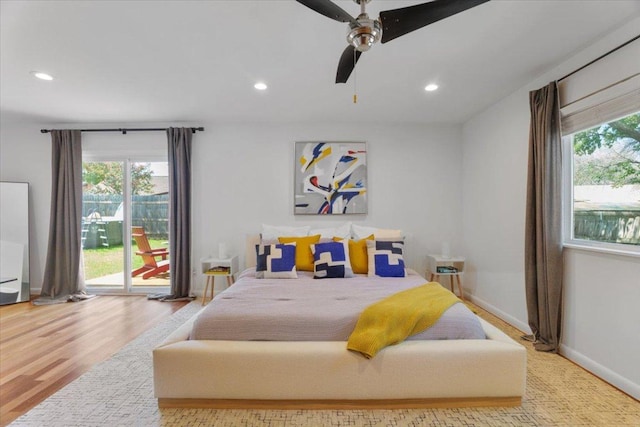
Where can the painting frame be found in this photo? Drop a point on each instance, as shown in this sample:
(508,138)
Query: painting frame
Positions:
(330,178)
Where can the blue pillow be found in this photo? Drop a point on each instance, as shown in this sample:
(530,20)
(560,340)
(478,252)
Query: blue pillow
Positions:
(386,258)
(331,260)
(276,261)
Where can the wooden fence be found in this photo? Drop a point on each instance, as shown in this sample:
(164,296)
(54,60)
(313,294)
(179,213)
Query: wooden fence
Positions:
(613,226)
(149,211)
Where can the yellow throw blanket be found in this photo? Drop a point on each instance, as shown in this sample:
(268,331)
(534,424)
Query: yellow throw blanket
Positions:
(393,319)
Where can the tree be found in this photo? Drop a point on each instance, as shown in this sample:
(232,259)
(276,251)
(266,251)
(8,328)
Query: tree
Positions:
(613,151)
(106,178)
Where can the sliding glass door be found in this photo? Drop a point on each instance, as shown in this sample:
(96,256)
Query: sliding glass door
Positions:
(125,226)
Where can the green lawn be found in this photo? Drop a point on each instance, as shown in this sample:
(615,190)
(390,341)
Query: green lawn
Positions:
(100,262)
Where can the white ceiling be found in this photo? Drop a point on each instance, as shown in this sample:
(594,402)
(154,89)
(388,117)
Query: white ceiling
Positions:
(197,61)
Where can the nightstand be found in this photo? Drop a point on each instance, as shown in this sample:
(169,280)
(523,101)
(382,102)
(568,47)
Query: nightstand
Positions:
(218,267)
(437,265)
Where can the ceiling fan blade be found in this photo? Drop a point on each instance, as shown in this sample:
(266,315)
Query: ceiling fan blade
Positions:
(347,64)
(329,9)
(398,22)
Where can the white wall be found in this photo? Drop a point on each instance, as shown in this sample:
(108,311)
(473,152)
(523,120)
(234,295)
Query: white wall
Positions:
(243,177)
(601,315)
(602,320)
(494,183)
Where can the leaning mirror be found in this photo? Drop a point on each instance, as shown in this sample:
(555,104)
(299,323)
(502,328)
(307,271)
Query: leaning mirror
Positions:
(14,242)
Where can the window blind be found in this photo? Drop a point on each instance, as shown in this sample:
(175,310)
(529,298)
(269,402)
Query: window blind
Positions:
(602,112)
(603,91)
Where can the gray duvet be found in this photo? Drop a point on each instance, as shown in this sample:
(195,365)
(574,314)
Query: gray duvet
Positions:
(307,309)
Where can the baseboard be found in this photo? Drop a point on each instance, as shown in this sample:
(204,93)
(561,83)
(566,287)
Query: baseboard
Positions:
(603,372)
(516,323)
(616,380)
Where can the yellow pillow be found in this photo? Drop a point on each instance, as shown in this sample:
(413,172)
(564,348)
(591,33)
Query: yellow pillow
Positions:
(358,254)
(304,256)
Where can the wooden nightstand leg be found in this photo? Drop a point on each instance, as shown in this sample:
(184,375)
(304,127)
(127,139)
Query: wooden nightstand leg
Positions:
(210,282)
(229,280)
(206,288)
(431,278)
(451,284)
(460,287)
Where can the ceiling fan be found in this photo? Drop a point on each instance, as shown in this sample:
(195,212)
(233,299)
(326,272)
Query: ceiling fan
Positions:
(364,32)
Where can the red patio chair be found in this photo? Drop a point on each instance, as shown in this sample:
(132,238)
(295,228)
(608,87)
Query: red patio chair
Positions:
(152,267)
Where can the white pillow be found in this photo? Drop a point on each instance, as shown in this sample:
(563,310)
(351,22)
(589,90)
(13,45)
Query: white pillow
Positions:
(272,232)
(343,231)
(386,233)
(360,232)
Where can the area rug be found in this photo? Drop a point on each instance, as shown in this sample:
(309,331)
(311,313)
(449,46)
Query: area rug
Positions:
(119,392)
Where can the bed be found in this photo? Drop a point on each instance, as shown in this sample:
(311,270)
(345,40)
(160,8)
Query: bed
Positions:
(200,365)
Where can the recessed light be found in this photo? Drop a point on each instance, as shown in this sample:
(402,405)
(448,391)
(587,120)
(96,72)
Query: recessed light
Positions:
(42,76)
(260,86)
(431,87)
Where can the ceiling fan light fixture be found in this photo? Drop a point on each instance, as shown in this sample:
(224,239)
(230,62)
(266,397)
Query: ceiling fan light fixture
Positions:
(365,34)
(260,86)
(431,87)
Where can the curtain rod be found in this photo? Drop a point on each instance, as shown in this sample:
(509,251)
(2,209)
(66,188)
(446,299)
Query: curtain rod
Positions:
(599,58)
(125,130)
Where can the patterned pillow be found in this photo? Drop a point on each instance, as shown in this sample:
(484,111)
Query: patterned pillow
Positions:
(331,260)
(385,258)
(276,261)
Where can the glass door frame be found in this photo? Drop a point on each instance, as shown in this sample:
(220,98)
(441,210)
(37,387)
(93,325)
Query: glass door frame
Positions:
(127,287)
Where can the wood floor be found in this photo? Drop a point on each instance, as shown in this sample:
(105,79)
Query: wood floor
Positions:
(43,348)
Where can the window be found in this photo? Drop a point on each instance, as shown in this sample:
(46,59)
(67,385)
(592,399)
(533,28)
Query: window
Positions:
(603,185)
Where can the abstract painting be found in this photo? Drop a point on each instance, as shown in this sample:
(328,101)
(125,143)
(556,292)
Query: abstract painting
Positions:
(330,178)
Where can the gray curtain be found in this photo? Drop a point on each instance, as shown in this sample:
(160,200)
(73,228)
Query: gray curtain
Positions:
(543,229)
(63,274)
(179,140)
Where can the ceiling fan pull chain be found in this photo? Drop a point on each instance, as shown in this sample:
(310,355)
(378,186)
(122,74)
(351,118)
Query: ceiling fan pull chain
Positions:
(355,74)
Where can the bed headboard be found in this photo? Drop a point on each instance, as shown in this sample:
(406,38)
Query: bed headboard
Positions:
(250,249)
